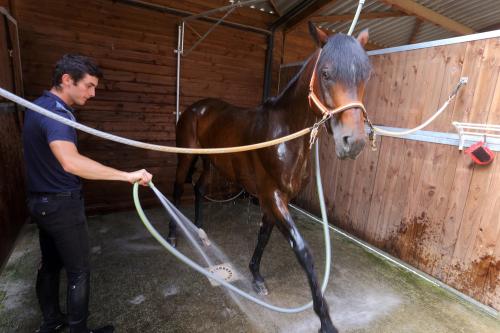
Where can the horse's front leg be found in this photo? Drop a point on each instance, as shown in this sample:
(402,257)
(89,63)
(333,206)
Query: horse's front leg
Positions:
(303,253)
(264,233)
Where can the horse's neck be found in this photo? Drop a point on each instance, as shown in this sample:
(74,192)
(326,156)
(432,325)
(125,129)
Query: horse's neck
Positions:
(294,99)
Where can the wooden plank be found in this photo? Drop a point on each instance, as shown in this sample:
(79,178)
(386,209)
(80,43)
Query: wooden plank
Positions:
(384,179)
(391,219)
(419,221)
(12,197)
(416,30)
(413,8)
(478,235)
(441,159)
(491,231)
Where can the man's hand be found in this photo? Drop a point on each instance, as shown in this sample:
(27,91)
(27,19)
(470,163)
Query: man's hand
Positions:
(141,176)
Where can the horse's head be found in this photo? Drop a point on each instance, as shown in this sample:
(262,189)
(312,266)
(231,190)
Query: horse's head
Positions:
(341,73)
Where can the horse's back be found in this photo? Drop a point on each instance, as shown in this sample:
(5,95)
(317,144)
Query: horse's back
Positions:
(213,122)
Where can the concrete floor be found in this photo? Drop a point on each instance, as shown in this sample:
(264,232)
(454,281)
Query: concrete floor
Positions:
(139,287)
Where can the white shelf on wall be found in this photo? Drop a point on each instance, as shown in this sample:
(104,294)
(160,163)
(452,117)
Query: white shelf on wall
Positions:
(471,132)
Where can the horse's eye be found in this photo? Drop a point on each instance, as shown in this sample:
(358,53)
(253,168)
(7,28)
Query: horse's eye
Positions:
(325,75)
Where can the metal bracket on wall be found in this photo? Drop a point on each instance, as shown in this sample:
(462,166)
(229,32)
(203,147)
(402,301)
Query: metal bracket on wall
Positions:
(444,138)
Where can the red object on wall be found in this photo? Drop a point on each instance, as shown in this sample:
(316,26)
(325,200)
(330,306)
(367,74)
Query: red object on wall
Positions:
(480,154)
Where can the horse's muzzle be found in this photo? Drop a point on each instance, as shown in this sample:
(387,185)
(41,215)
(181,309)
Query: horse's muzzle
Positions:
(350,147)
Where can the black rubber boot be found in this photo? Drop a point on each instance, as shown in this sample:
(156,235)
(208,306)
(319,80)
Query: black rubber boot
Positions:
(78,304)
(47,291)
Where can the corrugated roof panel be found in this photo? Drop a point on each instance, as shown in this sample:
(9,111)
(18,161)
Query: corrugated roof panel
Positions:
(395,31)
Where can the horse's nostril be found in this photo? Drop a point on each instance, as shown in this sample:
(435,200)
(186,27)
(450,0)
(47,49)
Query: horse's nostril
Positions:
(346,141)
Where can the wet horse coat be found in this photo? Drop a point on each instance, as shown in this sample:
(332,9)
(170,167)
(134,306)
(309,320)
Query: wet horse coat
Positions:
(276,174)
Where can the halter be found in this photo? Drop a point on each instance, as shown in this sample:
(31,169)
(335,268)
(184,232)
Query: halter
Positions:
(327,113)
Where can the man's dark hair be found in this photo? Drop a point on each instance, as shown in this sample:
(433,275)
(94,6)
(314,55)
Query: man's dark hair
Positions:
(76,66)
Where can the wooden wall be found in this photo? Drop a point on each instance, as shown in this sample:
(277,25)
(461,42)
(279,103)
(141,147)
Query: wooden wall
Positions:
(12,210)
(425,203)
(136,98)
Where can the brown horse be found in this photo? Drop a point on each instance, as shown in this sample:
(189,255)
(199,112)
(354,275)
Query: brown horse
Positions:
(276,174)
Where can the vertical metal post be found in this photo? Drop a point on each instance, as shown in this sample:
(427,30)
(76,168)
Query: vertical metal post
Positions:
(179,51)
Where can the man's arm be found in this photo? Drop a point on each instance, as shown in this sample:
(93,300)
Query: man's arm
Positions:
(73,162)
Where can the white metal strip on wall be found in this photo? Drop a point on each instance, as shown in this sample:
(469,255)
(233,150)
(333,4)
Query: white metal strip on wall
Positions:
(444,138)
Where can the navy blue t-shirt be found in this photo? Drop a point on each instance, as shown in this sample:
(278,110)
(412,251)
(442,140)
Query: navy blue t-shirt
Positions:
(44,172)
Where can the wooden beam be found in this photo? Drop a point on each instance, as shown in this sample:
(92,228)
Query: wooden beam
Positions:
(350,17)
(416,29)
(312,10)
(412,8)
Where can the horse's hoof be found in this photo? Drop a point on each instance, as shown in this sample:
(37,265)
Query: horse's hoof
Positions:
(260,288)
(172,241)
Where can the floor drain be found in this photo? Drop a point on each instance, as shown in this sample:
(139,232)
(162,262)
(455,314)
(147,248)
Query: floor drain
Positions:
(225,272)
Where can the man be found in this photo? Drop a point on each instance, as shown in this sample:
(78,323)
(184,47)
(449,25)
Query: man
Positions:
(54,168)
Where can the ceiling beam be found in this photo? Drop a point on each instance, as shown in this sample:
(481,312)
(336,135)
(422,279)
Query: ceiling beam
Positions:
(412,8)
(363,16)
(416,30)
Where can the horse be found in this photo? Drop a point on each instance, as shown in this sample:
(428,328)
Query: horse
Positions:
(338,70)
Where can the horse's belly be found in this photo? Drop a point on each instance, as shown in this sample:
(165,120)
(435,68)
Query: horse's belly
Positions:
(236,168)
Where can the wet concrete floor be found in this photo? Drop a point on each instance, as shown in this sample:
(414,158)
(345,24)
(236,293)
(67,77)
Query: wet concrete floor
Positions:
(140,287)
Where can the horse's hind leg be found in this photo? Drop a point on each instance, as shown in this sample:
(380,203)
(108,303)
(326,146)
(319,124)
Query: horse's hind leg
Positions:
(199,191)
(184,169)
(287,227)
(264,233)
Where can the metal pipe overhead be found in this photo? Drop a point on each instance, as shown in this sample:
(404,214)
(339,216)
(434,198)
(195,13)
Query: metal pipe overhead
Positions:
(179,12)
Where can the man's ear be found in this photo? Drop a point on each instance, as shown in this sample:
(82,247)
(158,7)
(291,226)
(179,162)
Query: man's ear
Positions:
(66,79)
(320,37)
(363,37)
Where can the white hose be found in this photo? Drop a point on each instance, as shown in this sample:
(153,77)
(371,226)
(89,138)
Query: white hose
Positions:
(463,81)
(356,17)
(166,149)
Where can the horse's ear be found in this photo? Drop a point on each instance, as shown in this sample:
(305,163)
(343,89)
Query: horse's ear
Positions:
(363,37)
(319,36)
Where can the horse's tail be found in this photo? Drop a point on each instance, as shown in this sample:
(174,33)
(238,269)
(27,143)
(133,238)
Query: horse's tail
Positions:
(186,137)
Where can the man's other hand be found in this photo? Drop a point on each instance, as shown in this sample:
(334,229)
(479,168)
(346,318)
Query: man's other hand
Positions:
(141,176)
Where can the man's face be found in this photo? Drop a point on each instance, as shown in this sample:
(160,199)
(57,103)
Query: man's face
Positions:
(80,92)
